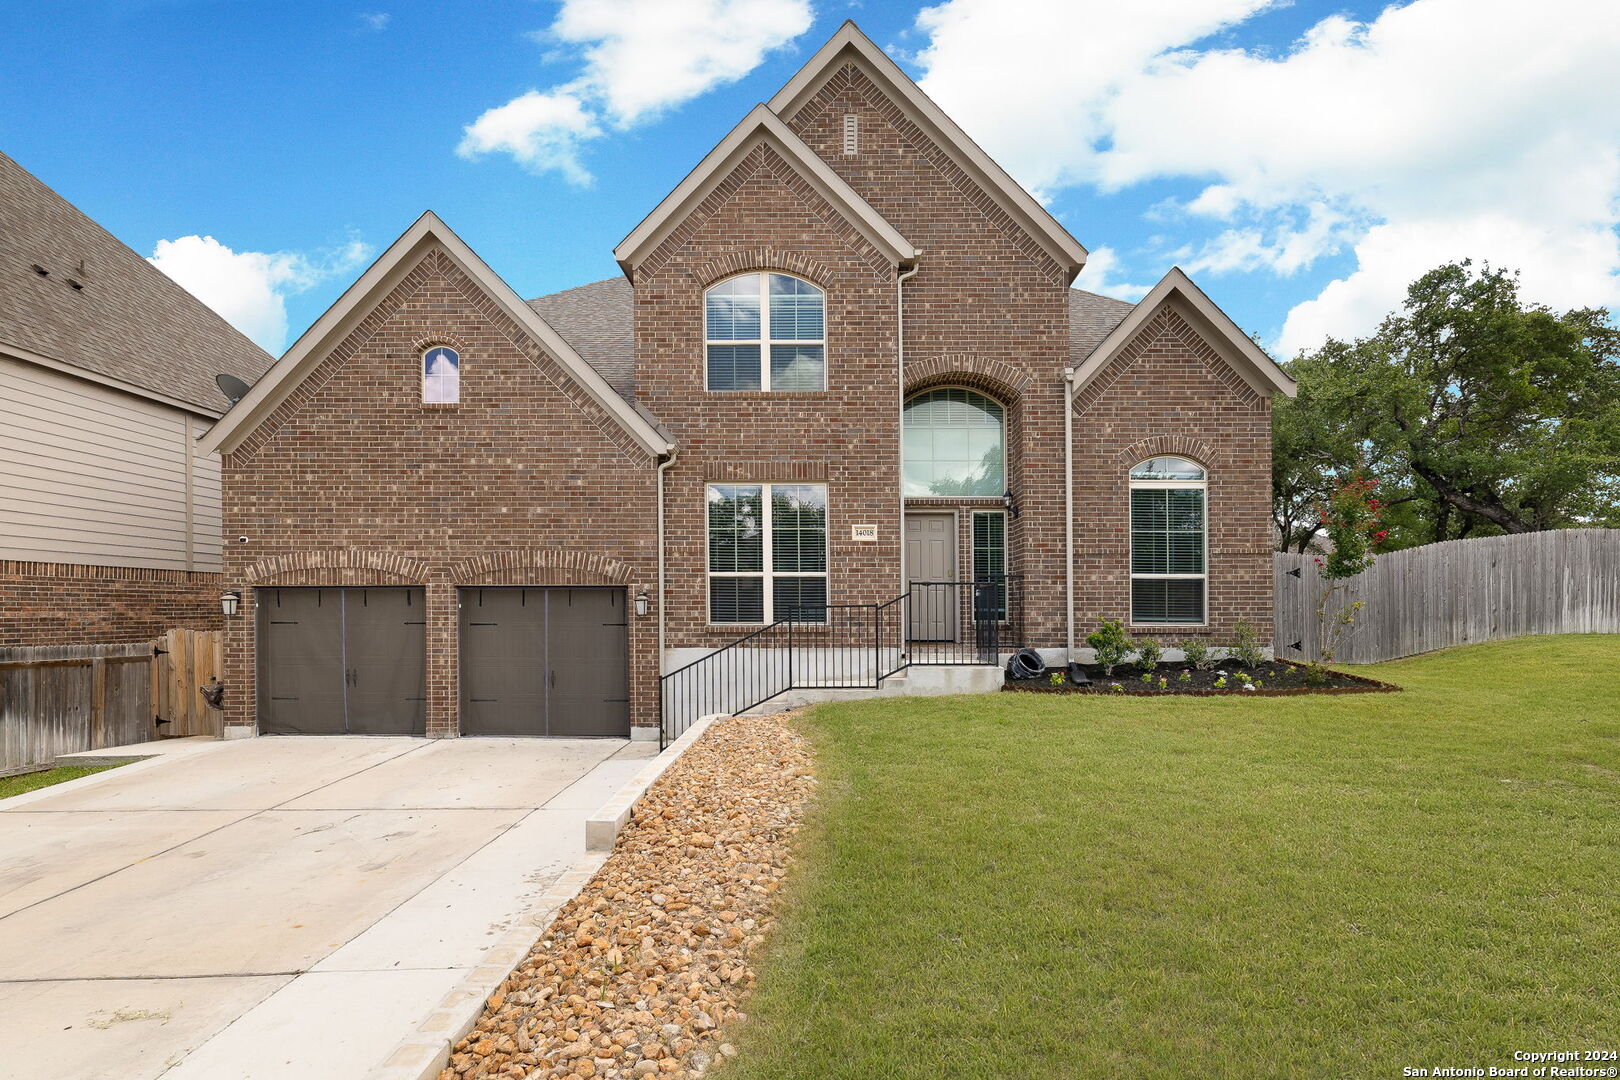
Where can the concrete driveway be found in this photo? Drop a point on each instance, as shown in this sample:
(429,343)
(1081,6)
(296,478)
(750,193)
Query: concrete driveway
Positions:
(274,907)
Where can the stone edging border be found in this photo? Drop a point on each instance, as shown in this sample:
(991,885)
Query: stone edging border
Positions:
(426,1052)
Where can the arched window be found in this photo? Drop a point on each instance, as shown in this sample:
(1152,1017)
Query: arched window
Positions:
(1168,541)
(441,375)
(765,332)
(955,444)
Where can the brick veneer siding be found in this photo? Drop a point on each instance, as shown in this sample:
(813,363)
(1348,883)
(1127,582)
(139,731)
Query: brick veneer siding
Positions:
(66,604)
(988,308)
(764,216)
(1168,392)
(353,481)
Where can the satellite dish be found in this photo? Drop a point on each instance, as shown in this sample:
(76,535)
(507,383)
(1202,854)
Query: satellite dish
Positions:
(233,388)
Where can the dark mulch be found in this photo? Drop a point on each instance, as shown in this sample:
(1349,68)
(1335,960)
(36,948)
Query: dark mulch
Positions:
(1271,677)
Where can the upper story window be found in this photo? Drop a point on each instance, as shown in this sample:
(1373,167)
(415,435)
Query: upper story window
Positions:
(955,444)
(441,376)
(765,332)
(1169,578)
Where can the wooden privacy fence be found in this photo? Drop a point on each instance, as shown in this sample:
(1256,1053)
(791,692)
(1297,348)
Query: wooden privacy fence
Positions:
(1566,581)
(61,699)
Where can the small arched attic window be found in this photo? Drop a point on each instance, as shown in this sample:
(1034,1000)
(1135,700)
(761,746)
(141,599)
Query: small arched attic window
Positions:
(441,375)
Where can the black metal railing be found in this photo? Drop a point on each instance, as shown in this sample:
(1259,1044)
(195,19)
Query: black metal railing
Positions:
(847,646)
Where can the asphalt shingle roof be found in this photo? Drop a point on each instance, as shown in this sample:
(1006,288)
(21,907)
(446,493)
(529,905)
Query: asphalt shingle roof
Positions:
(598,320)
(130,321)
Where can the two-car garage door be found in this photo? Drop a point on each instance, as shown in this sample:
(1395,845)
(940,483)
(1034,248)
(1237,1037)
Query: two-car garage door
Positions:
(534,661)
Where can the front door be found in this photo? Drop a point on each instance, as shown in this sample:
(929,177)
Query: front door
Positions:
(931,576)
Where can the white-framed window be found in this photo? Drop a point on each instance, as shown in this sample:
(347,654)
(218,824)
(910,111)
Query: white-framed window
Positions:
(990,565)
(441,375)
(1169,542)
(955,443)
(767,553)
(765,332)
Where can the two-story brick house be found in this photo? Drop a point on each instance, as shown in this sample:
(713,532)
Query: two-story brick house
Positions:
(844,360)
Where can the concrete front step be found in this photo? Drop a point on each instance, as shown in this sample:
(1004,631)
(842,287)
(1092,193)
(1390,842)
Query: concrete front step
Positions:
(919,681)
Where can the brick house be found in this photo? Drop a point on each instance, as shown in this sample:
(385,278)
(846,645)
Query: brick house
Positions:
(843,391)
(109,515)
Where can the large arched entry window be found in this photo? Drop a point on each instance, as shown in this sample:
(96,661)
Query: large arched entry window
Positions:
(955,444)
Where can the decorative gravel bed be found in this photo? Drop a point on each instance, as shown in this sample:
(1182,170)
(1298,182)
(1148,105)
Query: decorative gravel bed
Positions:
(639,973)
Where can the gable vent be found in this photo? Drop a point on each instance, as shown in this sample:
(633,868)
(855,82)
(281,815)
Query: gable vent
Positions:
(852,133)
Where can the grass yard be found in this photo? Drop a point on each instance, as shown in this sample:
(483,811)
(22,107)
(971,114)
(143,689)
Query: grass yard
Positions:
(16,785)
(1305,887)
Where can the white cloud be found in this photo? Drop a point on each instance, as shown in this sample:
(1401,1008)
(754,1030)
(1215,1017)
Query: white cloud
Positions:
(249,288)
(375,20)
(640,58)
(1441,129)
(1102,263)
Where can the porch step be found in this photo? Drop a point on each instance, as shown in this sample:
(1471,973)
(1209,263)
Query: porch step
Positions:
(915,682)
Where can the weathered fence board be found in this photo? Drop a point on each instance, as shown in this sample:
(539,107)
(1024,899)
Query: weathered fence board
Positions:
(1566,581)
(61,699)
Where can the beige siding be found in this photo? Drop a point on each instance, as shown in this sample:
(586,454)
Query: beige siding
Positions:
(89,474)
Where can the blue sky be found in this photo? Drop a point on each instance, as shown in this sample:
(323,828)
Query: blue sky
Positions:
(1302,160)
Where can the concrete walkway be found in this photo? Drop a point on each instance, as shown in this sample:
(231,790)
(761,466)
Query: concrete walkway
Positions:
(274,908)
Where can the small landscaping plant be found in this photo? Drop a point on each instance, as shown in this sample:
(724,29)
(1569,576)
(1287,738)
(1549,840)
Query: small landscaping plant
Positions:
(1148,655)
(1245,648)
(1111,645)
(1056,678)
(1351,520)
(1199,654)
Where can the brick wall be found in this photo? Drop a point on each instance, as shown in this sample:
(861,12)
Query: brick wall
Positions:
(353,481)
(65,604)
(1167,392)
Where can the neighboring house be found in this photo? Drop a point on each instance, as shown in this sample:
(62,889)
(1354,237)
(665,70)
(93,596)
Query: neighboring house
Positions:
(837,366)
(109,515)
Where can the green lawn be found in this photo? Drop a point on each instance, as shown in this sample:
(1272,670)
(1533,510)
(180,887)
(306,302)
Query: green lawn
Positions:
(16,785)
(1304,887)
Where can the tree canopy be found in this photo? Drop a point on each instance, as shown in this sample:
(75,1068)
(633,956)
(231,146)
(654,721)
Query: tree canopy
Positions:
(1478,414)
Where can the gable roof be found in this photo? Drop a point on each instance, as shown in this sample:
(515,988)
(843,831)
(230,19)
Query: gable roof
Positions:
(380,278)
(1092,317)
(130,325)
(599,321)
(1228,339)
(761,125)
(849,43)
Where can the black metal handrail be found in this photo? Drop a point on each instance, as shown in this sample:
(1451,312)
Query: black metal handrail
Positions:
(846,646)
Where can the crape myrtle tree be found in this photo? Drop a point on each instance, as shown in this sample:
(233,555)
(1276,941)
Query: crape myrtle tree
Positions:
(1477,414)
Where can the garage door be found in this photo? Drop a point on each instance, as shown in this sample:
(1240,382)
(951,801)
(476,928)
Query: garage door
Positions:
(342,661)
(552,661)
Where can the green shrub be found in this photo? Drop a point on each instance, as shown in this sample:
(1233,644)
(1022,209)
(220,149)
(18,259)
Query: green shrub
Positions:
(1246,646)
(1110,644)
(1148,654)
(1199,654)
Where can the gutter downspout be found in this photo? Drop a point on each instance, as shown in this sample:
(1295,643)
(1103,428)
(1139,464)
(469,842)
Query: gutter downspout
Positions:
(900,413)
(1068,511)
(666,463)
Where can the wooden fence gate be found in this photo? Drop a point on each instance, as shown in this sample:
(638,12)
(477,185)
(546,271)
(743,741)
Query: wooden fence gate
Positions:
(61,699)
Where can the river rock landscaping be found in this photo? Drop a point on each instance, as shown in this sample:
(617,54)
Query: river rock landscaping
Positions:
(1226,677)
(640,973)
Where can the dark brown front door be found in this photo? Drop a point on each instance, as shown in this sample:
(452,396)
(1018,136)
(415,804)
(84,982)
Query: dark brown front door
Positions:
(342,661)
(544,661)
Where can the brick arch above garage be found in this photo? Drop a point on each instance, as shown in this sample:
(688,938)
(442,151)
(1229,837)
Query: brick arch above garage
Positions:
(337,566)
(541,566)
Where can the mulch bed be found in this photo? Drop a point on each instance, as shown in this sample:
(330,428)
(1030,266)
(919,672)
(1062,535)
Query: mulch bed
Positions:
(1272,678)
(639,973)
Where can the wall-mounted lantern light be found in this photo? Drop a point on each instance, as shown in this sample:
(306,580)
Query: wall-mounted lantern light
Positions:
(643,603)
(1009,502)
(229,603)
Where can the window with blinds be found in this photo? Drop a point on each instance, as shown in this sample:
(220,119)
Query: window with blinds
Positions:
(954,444)
(767,553)
(1169,579)
(765,332)
(990,565)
